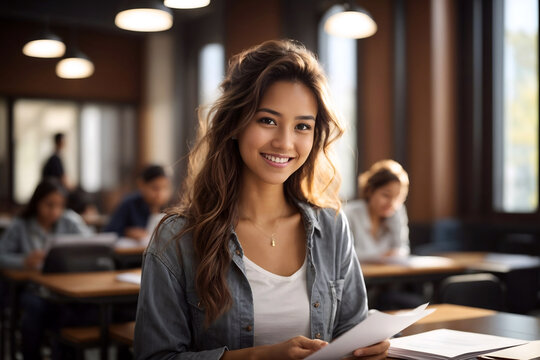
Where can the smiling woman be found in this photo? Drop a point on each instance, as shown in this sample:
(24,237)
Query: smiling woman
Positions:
(257,260)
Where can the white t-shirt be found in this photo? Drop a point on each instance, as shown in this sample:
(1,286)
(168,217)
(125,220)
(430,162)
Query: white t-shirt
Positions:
(281,304)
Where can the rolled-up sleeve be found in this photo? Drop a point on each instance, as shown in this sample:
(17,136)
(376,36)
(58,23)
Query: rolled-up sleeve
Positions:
(353,307)
(163,328)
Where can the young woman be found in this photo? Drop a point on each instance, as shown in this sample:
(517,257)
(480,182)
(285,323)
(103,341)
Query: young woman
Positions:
(379,220)
(21,246)
(256,262)
(135,213)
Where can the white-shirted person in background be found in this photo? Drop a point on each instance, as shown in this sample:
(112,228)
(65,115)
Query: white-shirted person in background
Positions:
(378,220)
(257,261)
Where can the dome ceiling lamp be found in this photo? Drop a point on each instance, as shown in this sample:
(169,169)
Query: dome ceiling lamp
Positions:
(186,4)
(74,65)
(145,16)
(350,21)
(44,44)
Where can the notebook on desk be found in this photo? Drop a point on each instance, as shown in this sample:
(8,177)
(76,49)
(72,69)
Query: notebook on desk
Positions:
(445,344)
(530,351)
(79,253)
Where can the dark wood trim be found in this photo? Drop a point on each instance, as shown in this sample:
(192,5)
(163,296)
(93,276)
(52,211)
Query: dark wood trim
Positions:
(400,84)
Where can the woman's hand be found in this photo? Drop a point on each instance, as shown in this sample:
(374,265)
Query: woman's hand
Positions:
(374,352)
(298,347)
(34,260)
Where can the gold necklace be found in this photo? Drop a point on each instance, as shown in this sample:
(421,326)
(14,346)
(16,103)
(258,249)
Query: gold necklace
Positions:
(272,235)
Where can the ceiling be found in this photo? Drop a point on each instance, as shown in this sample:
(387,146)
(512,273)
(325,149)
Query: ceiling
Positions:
(90,14)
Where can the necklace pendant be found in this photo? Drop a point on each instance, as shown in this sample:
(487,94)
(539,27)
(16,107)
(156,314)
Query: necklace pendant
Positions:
(273,241)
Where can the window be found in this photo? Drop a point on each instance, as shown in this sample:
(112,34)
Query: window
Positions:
(339,59)
(35,123)
(100,147)
(211,73)
(516,106)
(108,138)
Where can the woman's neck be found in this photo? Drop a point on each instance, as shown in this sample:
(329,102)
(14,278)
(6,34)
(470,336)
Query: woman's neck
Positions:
(262,203)
(45,225)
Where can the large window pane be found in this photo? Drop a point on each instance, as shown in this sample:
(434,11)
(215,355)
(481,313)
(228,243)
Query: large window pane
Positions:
(211,73)
(516,168)
(35,123)
(339,59)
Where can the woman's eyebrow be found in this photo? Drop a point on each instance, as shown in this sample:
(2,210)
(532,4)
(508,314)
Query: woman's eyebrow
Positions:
(276,113)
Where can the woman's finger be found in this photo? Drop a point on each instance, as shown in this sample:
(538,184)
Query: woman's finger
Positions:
(376,349)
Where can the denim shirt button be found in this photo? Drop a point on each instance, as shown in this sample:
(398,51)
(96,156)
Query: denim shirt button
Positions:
(249,328)
(318,335)
(238,252)
(317,304)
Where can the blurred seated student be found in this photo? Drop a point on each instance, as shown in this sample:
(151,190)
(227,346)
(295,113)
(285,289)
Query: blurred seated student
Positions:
(378,220)
(137,210)
(22,244)
(21,247)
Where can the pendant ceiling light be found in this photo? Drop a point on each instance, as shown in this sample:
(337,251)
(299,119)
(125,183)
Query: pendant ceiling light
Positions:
(74,65)
(186,4)
(350,21)
(44,44)
(145,15)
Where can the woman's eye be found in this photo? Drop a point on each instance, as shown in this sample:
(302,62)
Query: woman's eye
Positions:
(303,127)
(267,121)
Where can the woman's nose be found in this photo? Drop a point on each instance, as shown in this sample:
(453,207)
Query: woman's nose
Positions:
(283,139)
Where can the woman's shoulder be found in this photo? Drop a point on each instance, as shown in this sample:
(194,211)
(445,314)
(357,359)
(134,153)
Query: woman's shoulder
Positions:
(326,219)
(168,242)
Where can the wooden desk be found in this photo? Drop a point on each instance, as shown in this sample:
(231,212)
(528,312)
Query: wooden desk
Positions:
(415,269)
(95,287)
(90,285)
(477,320)
(473,320)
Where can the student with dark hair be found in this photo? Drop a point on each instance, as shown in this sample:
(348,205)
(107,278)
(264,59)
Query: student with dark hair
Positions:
(54,167)
(378,219)
(257,261)
(21,247)
(133,215)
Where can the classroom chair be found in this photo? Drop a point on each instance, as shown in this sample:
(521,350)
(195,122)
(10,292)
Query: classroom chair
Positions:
(476,290)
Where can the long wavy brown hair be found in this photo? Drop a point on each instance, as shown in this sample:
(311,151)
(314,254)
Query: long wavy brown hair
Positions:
(211,189)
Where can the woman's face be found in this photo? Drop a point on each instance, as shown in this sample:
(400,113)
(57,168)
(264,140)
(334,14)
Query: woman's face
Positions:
(386,199)
(279,138)
(50,208)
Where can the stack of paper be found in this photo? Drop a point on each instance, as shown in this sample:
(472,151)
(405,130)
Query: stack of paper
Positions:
(530,351)
(375,328)
(447,344)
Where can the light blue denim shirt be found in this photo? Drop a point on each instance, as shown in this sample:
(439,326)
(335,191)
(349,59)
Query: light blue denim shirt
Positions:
(170,322)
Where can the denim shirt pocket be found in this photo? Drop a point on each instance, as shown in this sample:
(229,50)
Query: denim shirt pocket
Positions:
(336,290)
(196,311)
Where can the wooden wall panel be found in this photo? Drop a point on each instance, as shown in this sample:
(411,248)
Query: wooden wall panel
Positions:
(375,80)
(249,23)
(116,57)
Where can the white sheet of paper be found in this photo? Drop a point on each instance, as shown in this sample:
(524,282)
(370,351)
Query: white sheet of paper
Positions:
(375,328)
(133,278)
